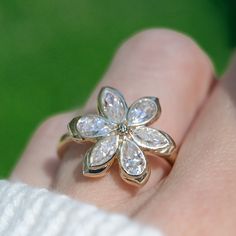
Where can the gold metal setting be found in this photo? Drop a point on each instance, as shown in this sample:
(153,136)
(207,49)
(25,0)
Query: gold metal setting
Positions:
(120,133)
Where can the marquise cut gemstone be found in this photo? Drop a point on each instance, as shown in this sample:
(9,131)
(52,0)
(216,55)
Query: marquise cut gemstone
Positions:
(132,158)
(149,138)
(112,105)
(142,111)
(92,126)
(104,150)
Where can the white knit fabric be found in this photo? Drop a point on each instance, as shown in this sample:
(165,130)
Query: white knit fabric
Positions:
(27,211)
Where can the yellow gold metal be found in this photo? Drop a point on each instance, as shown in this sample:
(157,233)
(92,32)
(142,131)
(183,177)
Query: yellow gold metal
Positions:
(121,134)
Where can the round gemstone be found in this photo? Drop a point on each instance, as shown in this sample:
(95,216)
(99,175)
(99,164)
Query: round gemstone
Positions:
(122,128)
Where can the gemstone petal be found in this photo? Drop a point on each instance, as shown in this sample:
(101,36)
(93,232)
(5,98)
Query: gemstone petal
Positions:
(93,126)
(104,150)
(112,105)
(132,159)
(143,111)
(153,139)
(94,172)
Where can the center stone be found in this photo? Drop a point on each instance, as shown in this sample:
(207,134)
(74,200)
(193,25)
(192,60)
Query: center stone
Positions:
(122,128)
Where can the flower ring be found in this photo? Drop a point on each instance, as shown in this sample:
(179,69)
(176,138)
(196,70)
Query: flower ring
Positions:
(120,133)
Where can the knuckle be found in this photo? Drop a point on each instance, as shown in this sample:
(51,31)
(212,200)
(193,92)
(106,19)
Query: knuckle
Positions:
(52,123)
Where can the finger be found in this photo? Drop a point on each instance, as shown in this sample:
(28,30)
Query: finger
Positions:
(203,180)
(161,63)
(38,163)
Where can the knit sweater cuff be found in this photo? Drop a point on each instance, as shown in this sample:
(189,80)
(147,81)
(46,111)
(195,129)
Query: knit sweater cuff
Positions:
(30,211)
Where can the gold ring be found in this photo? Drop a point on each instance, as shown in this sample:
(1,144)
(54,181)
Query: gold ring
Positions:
(120,133)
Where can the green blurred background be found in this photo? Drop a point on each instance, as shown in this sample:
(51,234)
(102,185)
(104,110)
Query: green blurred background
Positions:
(45,44)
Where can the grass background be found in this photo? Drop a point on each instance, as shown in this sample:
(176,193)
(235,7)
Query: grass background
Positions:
(44,44)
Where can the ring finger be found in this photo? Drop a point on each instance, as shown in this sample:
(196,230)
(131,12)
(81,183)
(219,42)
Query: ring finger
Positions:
(158,63)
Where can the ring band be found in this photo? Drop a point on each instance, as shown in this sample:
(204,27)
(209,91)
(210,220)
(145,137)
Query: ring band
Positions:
(120,134)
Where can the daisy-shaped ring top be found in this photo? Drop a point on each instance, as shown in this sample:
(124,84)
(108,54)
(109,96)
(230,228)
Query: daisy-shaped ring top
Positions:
(121,133)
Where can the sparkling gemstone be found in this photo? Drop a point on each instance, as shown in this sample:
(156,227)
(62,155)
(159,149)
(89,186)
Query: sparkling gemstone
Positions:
(149,138)
(92,126)
(142,111)
(112,105)
(122,128)
(104,150)
(132,158)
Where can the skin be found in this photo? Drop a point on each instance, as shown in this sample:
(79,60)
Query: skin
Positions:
(198,195)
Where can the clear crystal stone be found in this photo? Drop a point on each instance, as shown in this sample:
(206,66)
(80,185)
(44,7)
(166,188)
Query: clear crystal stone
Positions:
(149,138)
(122,128)
(92,126)
(132,158)
(142,111)
(112,105)
(104,150)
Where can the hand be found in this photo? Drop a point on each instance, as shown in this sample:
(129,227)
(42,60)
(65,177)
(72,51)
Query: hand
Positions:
(196,197)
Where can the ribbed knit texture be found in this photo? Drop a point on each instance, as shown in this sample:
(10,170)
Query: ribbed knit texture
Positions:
(27,211)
